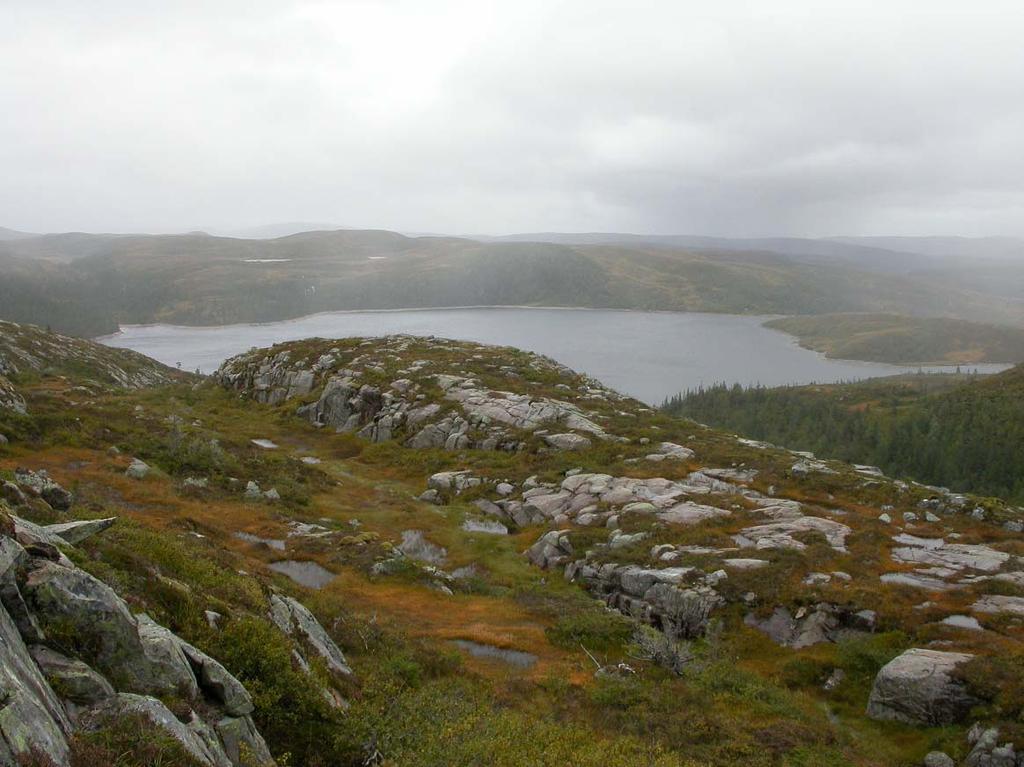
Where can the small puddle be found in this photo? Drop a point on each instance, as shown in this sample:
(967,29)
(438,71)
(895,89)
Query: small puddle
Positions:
(515,658)
(273,543)
(308,574)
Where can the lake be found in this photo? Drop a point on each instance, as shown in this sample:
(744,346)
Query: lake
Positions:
(649,355)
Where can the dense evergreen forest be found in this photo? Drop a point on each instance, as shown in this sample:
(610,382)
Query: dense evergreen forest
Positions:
(961,431)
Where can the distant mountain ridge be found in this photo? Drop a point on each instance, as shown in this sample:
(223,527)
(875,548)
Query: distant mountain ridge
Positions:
(90,283)
(12,234)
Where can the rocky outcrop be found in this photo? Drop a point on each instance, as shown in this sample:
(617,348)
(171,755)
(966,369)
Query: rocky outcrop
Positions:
(30,349)
(552,550)
(32,718)
(294,619)
(353,399)
(810,626)
(205,751)
(136,656)
(783,534)
(120,661)
(918,687)
(39,484)
(10,399)
(77,682)
(676,600)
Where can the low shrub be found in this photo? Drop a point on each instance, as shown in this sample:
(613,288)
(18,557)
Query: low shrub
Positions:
(594,629)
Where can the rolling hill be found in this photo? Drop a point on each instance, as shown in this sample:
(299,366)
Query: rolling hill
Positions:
(91,283)
(907,340)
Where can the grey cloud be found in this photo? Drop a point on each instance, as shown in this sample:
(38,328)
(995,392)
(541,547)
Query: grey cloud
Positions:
(736,118)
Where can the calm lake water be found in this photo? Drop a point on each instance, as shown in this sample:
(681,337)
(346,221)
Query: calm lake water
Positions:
(650,355)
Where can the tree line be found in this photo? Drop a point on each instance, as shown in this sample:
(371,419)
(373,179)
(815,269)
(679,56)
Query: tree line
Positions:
(969,438)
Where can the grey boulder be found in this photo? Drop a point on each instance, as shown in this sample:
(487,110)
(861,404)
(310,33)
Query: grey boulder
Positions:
(76,681)
(918,687)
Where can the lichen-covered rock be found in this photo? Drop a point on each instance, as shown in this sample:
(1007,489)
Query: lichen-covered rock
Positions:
(217,683)
(677,600)
(782,533)
(567,441)
(139,658)
(168,670)
(918,687)
(243,744)
(551,550)
(12,557)
(986,750)
(39,484)
(76,681)
(128,704)
(293,618)
(810,625)
(31,716)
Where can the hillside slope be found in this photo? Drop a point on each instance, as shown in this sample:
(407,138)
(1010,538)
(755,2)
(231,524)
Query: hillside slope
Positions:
(448,512)
(959,431)
(89,283)
(905,340)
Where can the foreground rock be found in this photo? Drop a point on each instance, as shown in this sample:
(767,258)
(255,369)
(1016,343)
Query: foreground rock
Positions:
(123,664)
(918,688)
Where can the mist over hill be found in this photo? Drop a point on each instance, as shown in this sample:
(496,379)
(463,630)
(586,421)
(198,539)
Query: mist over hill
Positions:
(88,284)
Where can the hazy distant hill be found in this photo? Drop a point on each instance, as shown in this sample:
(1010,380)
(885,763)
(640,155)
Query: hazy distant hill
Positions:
(861,254)
(908,340)
(953,247)
(80,282)
(11,234)
(270,231)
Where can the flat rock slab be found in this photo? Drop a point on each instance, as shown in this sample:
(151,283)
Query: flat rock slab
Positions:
(76,532)
(917,581)
(999,604)
(740,563)
(957,556)
(780,534)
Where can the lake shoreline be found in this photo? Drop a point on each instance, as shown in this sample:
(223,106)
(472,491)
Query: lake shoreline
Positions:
(478,307)
(648,355)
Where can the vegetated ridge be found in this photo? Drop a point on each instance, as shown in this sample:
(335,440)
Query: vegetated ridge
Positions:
(418,551)
(90,284)
(961,431)
(900,339)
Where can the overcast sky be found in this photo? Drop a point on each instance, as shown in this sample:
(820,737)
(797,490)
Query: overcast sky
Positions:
(730,118)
